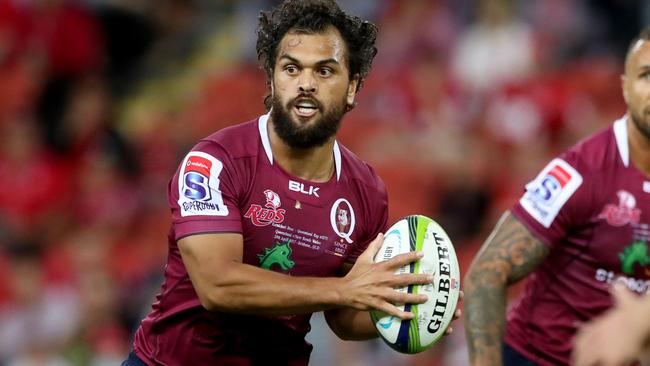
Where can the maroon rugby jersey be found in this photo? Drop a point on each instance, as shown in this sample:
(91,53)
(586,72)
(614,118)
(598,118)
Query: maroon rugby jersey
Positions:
(229,183)
(591,206)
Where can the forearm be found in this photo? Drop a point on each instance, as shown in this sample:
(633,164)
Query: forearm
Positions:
(351,325)
(485,304)
(243,288)
(223,283)
(508,255)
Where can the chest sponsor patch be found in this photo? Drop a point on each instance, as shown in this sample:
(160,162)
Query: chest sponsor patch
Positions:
(550,190)
(198,186)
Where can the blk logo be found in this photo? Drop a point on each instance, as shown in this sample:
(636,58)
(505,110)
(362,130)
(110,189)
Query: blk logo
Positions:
(299,187)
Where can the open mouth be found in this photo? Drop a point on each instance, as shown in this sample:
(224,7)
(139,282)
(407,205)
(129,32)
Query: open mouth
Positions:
(306,107)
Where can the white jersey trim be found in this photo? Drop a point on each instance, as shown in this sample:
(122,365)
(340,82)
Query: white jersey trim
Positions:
(264,134)
(337,160)
(262,124)
(620,132)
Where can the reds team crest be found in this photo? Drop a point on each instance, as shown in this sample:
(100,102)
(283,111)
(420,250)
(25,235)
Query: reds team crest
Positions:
(270,213)
(624,213)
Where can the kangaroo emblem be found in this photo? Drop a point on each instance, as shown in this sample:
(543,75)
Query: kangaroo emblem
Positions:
(635,253)
(278,254)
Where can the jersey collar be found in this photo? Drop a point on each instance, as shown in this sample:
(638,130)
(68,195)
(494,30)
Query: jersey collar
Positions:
(620,132)
(262,124)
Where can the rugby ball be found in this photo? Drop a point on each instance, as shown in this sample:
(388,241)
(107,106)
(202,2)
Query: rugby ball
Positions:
(432,318)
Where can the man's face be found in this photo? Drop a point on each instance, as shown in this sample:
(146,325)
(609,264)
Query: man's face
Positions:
(636,86)
(311,88)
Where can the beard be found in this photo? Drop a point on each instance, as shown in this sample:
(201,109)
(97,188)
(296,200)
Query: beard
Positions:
(303,137)
(641,123)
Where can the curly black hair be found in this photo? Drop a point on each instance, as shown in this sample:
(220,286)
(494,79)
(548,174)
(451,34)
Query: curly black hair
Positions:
(312,17)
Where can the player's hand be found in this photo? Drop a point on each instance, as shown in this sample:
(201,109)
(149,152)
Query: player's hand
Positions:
(457,314)
(617,337)
(371,285)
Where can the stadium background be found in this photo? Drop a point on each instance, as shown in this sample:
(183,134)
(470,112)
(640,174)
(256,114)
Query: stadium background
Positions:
(99,99)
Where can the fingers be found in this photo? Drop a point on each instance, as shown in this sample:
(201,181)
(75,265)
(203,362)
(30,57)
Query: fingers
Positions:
(392,310)
(397,297)
(373,248)
(579,356)
(406,279)
(621,295)
(403,259)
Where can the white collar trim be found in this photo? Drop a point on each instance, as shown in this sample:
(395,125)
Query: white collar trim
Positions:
(262,124)
(620,132)
(264,134)
(337,160)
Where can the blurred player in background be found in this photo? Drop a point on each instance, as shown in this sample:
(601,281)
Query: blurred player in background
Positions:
(271,218)
(581,226)
(619,336)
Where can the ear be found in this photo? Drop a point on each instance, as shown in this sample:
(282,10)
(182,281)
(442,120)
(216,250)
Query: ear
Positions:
(352,90)
(624,81)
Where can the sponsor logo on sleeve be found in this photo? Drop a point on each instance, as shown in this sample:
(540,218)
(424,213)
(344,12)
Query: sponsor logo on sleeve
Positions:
(199,192)
(550,190)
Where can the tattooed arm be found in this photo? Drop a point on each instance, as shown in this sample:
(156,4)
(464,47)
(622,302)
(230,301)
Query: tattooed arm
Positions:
(509,254)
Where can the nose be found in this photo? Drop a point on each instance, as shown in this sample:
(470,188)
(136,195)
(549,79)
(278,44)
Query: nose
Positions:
(307,83)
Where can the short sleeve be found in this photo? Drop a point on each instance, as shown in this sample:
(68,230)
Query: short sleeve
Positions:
(551,204)
(203,193)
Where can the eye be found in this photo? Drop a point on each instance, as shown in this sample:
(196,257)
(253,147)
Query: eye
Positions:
(325,72)
(291,69)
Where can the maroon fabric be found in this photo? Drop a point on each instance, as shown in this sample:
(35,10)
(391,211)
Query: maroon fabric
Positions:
(598,238)
(261,201)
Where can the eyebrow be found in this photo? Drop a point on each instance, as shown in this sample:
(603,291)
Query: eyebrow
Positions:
(319,63)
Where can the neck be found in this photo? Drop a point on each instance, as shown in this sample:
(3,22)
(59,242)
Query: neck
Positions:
(639,148)
(315,164)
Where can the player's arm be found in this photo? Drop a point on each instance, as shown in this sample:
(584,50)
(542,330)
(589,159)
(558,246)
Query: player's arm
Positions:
(224,283)
(350,324)
(510,253)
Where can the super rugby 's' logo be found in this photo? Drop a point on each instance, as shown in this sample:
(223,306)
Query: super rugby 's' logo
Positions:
(552,184)
(196,178)
(624,213)
(342,219)
(199,191)
(270,213)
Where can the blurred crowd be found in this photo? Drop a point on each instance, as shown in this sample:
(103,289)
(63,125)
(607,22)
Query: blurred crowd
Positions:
(100,99)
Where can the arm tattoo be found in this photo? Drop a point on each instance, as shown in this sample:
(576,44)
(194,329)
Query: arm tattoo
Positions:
(508,255)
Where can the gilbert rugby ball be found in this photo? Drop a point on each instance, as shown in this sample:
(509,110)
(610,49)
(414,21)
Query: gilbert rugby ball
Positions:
(432,318)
